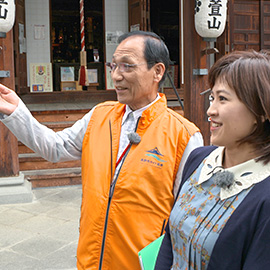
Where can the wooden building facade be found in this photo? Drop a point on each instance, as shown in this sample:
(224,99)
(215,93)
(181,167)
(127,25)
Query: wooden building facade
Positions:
(248,27)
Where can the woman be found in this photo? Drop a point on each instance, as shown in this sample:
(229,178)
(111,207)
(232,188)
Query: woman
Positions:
(221,218)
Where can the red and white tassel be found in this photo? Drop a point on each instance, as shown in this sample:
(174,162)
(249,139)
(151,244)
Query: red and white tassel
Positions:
(83,76)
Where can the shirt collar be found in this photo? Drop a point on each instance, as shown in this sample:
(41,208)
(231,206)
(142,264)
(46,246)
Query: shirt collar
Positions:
(245,174)
(138,112)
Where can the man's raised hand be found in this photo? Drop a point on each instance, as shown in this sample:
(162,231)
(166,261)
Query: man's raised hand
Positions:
(8,100)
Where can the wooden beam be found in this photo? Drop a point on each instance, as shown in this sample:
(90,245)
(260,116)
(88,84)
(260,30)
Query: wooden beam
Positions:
(9,163)
(194,60)
(69,96)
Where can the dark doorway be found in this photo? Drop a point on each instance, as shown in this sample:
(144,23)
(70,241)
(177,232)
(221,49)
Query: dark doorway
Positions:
(66,30)
(66,39)
(164,17)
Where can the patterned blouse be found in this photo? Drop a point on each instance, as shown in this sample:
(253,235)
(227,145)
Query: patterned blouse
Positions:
(202,209)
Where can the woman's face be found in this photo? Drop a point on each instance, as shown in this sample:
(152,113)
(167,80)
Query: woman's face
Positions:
(230,118)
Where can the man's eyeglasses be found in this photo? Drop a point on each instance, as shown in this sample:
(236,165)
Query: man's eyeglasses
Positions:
(123,67)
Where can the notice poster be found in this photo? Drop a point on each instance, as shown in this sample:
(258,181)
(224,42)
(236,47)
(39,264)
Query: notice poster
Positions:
(109,81)
(41,77)
(67,74)
(92,75)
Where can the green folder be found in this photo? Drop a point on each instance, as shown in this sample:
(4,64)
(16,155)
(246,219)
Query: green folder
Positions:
(148,255)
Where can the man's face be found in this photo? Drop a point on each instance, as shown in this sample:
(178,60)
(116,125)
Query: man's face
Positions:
(136,86)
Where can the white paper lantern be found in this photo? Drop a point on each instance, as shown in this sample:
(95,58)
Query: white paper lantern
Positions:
(210,17)
(7,15)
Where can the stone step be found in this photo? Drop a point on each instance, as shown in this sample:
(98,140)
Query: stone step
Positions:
(54,177)
(59,116)
(32,161)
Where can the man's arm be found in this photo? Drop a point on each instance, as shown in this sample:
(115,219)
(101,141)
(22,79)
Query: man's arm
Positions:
(53,146)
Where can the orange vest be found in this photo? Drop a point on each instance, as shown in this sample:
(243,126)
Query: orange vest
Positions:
(113,229)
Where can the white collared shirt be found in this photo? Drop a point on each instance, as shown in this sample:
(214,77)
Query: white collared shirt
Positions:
(125,126)
(245,174)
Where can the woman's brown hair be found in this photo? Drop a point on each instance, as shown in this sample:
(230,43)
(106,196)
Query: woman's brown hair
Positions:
(248,73)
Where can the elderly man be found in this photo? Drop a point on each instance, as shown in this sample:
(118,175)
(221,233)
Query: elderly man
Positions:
(132,154)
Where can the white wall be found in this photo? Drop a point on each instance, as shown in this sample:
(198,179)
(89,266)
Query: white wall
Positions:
(37,18)
(116,23)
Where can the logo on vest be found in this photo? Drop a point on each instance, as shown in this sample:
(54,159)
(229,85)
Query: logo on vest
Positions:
(154,158)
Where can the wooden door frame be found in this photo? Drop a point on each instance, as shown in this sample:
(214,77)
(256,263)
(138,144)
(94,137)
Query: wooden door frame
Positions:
(9,161)
(195,103)
(20,57)
(144,13)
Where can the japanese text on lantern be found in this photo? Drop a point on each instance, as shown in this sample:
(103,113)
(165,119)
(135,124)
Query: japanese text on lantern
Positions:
(215,6)
(3,11)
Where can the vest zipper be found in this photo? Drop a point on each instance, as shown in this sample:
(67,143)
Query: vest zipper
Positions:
(112,186)
(107,212)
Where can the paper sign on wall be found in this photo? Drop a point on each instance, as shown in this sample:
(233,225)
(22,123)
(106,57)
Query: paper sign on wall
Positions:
(41,77)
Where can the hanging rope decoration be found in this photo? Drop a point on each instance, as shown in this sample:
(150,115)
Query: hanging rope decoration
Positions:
(83,76)
(82,25)
(210,18)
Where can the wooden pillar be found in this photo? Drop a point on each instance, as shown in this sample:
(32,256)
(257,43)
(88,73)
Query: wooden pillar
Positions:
(9,162)
(194,62)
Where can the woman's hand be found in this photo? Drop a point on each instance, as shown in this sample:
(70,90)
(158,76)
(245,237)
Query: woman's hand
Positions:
(8,100)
